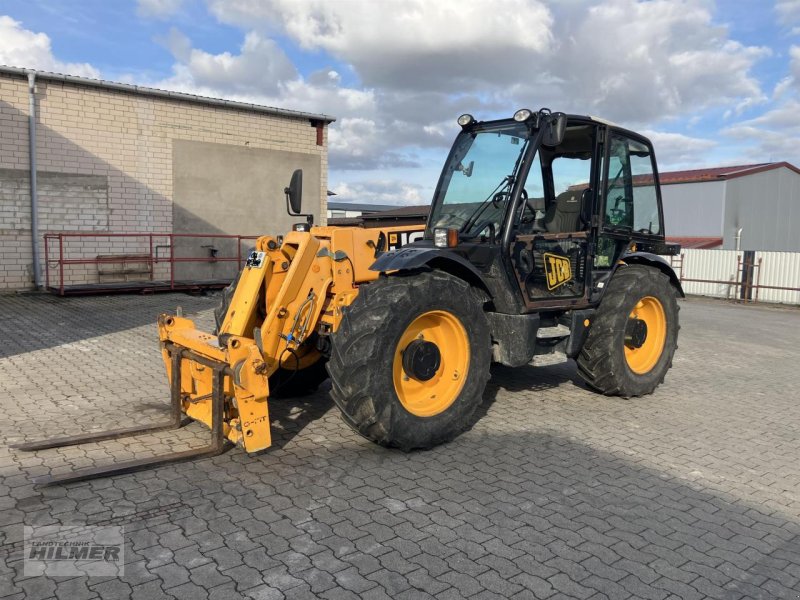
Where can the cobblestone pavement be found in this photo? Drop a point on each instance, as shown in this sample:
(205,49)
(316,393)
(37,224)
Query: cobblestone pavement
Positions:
(555,492)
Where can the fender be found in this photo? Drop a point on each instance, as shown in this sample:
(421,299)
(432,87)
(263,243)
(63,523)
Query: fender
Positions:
(415,257)
(654,260)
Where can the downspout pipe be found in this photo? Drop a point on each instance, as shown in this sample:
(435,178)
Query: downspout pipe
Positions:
(37,271)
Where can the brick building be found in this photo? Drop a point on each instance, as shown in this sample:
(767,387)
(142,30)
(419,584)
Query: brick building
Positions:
(117,158)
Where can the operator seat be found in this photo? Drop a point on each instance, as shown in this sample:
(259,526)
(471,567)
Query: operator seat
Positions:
(563,214)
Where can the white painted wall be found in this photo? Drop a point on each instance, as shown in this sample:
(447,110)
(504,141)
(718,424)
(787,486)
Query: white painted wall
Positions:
(776,269)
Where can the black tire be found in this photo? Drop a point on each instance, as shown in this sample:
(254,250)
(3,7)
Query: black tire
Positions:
(602,363)
(363,351)
(283,383)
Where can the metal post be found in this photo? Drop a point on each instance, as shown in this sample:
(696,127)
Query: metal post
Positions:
(758,276)
(61,263)
(46,265)
(37,271)
(171,261)
(150,262)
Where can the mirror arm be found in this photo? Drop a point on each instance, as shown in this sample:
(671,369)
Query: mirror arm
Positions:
(309,217)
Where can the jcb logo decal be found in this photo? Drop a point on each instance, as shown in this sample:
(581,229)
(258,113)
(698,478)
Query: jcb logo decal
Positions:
(401,238)
(557,269)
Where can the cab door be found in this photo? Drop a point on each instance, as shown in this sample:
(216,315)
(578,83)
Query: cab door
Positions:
(551,245)
(631,202)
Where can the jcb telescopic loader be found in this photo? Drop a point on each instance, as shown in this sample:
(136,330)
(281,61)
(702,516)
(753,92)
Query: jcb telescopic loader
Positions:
(542,245)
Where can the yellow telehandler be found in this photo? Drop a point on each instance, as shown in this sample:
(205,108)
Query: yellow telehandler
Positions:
(542,245)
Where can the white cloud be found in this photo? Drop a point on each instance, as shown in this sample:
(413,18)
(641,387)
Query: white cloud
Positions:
(640,62)
(773,135)
(623,59)
(675,150)
(786,85)
(259,68)
(370,128)
(20,47)
(160,9)
(419,64)
(381,192)
(794,65)
(409,44)
(788,12)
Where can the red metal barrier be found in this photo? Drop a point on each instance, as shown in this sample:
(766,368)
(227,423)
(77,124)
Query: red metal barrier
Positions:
(54,243)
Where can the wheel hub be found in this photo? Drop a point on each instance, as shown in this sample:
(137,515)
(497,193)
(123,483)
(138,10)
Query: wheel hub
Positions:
(635,333)
(421,360)
(645,335)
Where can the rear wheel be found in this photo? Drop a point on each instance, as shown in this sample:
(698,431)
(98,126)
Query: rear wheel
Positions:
(410,360)
(634,334)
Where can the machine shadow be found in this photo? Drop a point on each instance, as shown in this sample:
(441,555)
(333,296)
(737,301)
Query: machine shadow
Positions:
(551,501)
(291,415)
(527,378)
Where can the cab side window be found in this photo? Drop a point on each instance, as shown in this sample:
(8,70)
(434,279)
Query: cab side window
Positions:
(646,218)
(619,196)
(630,198)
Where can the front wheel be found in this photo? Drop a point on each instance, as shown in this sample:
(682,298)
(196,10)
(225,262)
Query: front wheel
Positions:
(634,334)
(410,360)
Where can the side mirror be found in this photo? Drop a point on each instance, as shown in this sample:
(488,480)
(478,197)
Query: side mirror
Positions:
(294,201)
(294,193)
(555,126)
(467,171)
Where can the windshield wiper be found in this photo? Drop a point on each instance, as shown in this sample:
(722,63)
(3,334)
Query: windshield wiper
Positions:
(507,181)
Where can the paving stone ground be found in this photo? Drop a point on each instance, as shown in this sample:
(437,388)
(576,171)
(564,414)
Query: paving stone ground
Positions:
(556,492)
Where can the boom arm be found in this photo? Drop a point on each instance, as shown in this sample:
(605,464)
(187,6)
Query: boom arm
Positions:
(285,294)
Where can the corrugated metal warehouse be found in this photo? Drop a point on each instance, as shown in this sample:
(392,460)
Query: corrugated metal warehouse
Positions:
(746,207)
(116,158)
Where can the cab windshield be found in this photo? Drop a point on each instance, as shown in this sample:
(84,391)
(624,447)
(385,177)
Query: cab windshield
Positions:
(477,180)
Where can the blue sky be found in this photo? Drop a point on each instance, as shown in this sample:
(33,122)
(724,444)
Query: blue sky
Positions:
(712,83)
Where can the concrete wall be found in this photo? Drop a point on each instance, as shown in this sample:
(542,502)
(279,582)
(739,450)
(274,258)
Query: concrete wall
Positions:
(126,140)
(694,209)
(234,190)
(767,207)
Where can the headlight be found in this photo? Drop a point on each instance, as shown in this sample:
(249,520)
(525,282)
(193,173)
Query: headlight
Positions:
(523,114)
(445,238)
(466,120)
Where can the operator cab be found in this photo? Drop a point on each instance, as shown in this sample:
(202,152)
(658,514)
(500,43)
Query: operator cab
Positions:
(559,198)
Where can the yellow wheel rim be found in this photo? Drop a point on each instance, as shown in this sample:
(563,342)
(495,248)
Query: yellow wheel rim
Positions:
(641,360)
(431,397)
(306,357)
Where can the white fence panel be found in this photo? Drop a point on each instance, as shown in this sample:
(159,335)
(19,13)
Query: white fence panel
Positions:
(711,265)
(781,269)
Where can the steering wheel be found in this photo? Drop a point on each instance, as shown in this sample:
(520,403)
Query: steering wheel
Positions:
(527,206)
(617,215)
